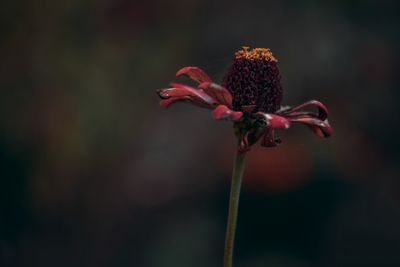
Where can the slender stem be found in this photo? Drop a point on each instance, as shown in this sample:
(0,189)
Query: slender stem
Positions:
(233,208)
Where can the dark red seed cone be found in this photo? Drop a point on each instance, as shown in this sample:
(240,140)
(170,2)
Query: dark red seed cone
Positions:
(254,79)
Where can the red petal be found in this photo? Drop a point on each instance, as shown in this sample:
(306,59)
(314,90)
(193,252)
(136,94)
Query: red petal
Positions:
(269,138)
(165,103)
(221,94)
(316,121)
(184,93)
(274,121)
(319,127)
(223,112)
(194,73)
(297,111)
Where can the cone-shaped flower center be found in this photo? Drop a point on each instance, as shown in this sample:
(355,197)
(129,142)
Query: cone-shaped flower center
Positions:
(254,79)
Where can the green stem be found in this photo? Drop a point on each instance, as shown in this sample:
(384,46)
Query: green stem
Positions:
(233,208)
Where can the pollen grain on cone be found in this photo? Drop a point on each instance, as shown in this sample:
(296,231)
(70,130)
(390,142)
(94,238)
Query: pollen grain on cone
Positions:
(255,54)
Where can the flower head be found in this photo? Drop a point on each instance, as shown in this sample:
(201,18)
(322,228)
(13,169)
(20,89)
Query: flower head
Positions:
(254,79)
(251,97)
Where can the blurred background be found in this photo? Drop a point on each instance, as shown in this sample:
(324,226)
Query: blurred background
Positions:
(95,173)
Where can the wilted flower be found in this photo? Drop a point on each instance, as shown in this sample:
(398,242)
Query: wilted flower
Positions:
(250,95)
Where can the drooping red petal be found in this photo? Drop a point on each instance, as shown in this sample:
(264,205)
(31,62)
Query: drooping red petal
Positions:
(252,135)
(221,94)
(319,127)
(322,111)
(184,93)
(273,121)
(223,112)
(195,74)
(269,138)
(316,121)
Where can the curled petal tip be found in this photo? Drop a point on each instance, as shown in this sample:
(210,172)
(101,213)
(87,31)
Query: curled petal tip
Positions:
(161,93)
(326,129)
(194,73)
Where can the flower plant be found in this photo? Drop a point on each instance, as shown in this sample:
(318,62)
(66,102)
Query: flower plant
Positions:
(250,96)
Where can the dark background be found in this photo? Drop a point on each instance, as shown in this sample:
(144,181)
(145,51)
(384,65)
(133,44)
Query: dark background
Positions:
(95,173)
